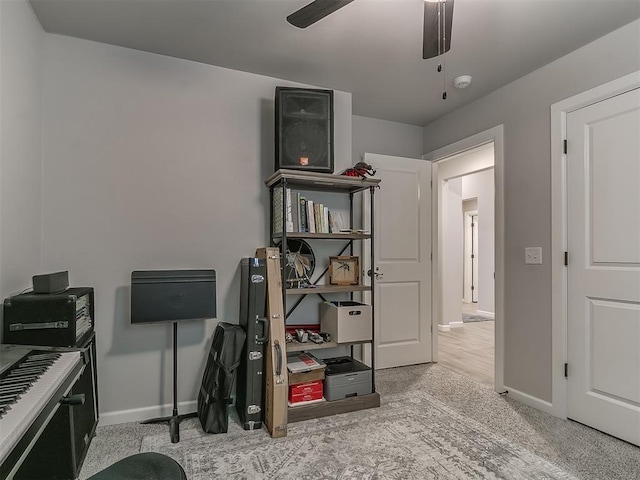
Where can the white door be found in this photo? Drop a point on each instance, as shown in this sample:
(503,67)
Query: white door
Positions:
(603,303)
(402,248)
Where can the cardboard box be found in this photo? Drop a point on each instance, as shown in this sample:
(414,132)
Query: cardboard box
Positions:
(305,388)
(304,377)
(305,392)
(346,321)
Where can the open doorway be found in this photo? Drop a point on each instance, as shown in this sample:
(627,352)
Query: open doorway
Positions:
(466,327)
(495,137)
(482,152)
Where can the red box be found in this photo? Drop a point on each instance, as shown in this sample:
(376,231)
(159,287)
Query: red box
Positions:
(303,392)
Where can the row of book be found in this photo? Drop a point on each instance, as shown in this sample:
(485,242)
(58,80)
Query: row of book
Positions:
(303,214)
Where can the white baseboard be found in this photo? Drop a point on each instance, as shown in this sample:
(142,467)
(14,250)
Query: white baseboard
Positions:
(145,413)
(456,324)
(482,313)
(444,328)
(534,402)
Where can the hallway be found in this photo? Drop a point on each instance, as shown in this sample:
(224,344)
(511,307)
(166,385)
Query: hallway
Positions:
(469,350)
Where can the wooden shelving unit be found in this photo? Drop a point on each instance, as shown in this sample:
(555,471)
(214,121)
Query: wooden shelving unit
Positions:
(325,409)
(327,236)
(296,346)
(311,181)
(328,289)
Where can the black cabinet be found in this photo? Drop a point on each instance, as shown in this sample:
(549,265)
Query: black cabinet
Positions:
(60,450)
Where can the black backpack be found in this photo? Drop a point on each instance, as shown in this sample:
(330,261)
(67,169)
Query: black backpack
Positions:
(218,378)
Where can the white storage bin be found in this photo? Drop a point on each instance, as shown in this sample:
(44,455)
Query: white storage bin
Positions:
(346,321)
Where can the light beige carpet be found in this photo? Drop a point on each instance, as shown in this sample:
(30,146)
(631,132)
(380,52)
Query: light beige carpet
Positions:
(411,436)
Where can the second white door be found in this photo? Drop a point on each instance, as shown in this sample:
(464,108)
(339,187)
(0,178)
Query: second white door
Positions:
(402,244)
(603,326)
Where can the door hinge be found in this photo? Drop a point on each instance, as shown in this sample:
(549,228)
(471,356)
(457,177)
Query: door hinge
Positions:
(566,259)
(566,370)
(431,255)
(564,146)
(473,287)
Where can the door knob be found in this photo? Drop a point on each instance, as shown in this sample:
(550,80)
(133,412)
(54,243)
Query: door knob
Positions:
(376,273)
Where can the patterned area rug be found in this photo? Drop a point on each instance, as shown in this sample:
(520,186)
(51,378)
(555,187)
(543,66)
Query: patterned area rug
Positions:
(470,317)
(411,436)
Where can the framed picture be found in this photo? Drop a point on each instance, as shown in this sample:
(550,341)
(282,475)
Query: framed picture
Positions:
(344,270)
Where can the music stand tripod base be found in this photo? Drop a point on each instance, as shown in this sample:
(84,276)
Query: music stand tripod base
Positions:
(175,419)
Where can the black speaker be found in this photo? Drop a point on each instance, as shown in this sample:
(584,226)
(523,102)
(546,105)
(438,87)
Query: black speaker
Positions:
(51,282)
(304,129)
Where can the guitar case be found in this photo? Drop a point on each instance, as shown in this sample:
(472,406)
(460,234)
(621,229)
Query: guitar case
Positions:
(219,375)
(253,305)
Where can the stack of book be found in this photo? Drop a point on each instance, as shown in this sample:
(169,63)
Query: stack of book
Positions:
(303,214)
(306,374)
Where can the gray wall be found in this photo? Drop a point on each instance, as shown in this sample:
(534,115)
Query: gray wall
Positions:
(153,162)
(480,186)
(524,108)
(21,39)
(371,135)
(452,249)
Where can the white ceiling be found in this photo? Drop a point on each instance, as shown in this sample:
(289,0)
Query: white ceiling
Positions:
(372,48)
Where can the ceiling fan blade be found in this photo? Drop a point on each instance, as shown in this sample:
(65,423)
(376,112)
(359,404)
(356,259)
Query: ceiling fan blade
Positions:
(316,10)
(430,38)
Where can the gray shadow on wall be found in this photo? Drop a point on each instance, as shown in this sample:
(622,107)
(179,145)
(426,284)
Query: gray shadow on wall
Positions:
(229,312)
(267,158)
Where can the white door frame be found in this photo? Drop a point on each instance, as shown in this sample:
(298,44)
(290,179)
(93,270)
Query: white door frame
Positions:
(495,135)
(559,290)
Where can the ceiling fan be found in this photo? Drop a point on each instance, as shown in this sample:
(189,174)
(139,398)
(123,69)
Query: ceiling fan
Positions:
(438,18)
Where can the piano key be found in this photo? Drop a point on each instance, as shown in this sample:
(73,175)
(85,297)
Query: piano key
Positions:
(35,361)
(43,356)
(19,381)
(14,389)
(26,370)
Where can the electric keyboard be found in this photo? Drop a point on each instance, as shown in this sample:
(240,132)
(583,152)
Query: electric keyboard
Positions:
(32,384)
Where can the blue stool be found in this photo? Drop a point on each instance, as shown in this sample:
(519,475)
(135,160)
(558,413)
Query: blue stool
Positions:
(143,466)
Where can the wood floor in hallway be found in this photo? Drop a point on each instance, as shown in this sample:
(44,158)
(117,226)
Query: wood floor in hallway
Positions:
(469,351)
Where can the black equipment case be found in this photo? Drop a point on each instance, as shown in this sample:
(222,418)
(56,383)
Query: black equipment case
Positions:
(253,303)
(49,319)
(219,374)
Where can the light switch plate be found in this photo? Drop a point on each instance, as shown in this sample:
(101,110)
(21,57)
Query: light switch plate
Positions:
(533,255)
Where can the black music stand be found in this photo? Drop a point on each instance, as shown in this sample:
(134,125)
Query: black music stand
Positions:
(172,295)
